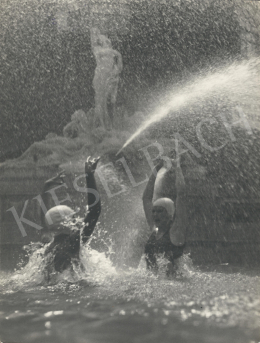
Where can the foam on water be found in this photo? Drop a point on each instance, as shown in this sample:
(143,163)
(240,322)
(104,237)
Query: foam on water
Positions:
(238,81)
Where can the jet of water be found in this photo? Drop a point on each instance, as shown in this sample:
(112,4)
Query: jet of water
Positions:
(237,79)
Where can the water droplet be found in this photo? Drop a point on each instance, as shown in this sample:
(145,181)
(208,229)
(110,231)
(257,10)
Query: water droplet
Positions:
(47,325)
(164,321)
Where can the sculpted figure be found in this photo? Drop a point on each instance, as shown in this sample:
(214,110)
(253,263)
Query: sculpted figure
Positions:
(106,78)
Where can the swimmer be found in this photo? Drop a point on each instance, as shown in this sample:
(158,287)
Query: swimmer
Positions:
(63,249)
(168,223)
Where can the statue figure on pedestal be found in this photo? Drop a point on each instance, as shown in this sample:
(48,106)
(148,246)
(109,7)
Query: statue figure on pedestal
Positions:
(106,78)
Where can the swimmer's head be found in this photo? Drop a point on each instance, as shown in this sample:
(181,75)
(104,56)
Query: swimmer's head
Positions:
(162,212)
(55,218)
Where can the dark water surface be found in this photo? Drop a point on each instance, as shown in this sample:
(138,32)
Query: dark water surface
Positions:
(200,305)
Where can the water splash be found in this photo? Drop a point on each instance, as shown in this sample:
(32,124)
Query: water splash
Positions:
(193,295)
(238,81)
(95,269)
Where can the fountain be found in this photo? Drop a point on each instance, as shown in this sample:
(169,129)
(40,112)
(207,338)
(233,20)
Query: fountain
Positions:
(190,86)
(192,109)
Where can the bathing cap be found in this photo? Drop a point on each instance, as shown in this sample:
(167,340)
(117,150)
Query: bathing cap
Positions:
(57,214)
(167,203)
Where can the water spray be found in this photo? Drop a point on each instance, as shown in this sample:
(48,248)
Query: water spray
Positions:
(121,149)
(229,80)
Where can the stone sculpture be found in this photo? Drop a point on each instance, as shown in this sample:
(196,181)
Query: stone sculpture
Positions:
(106,78)
(79,125)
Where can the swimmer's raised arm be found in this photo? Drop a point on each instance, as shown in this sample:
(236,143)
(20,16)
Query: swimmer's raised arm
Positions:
(94,203)
(148,194)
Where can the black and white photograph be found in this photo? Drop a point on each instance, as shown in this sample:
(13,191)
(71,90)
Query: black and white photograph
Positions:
(129,171)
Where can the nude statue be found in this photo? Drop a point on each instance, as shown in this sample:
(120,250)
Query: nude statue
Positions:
(106,78)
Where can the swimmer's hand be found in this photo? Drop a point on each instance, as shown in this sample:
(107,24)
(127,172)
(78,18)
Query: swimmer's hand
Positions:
(159,165)
(91,164)
(56,180)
